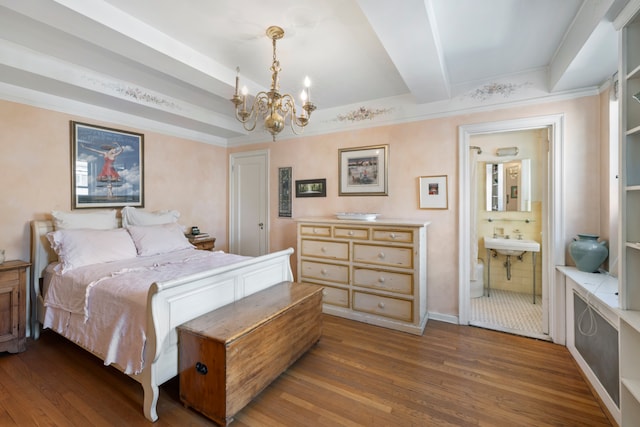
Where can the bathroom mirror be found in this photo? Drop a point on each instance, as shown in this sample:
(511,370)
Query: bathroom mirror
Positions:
(509,186)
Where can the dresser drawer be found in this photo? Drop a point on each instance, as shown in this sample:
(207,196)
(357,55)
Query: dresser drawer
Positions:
(385,280)
(322,271)
(324,249)
(351,233)
(315,230)
(335,296)
(394,308)
(386,235)
(383,255)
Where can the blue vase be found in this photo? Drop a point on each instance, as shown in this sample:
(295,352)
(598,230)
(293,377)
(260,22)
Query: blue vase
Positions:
(588,253)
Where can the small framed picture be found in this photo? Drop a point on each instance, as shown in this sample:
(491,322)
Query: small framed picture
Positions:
(311,188)
(106,167)
(433,192)
(363,171)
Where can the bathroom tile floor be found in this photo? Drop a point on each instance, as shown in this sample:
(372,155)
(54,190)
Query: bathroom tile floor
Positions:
(508,311)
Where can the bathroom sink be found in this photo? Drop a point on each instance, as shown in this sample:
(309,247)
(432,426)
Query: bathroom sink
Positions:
(511,246)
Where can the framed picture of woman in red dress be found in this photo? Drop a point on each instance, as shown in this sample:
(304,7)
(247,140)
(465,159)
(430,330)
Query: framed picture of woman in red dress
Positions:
(106,167)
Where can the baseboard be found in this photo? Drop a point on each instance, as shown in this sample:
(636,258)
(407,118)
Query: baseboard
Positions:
(448,318)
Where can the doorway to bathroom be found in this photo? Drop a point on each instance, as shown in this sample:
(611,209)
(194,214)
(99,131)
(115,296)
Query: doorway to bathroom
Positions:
(510,176)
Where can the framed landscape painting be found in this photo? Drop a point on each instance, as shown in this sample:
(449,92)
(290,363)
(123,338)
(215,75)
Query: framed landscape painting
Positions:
(106,167)
(311,188)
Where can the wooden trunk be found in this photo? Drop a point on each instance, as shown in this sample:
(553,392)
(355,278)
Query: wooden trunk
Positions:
(228,356)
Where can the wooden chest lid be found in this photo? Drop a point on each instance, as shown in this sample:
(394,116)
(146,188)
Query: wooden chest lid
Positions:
(234,320)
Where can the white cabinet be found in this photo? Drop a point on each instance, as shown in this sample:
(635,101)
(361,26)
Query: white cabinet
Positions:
(372,271)
(629,97)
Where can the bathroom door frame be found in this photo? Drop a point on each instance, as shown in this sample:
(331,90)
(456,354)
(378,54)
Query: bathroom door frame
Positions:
(553,227)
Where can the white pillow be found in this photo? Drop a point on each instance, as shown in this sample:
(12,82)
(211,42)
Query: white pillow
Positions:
(80,247)
(132,216)
(99,220)
(158,239)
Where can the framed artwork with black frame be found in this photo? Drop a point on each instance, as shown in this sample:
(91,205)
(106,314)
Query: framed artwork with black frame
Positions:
(106,167)
(311,188)
(284,192)
(363,171)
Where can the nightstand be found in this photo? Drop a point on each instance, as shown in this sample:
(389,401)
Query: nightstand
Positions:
(204,244)
(13,316)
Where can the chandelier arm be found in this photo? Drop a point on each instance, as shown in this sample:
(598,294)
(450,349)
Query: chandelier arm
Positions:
(297,123)
(258,108)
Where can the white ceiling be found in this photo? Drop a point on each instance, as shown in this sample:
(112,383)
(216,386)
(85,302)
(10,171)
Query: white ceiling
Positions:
(170,66)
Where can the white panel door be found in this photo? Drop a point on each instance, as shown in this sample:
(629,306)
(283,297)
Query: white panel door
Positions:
(249,203)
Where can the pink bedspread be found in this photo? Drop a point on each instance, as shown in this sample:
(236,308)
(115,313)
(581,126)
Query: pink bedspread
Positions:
(102,307)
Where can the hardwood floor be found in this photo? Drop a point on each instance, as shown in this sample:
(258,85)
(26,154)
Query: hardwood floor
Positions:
(357,375)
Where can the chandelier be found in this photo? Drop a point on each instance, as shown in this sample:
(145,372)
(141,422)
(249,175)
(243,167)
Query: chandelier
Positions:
(275,108)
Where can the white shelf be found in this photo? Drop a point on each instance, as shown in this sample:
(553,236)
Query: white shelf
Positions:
(629,327)
(632,318)
(633,386)
(633,131)
(634,74)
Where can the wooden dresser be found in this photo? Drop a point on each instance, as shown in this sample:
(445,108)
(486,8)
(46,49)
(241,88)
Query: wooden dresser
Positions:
(13,293)
(372,271)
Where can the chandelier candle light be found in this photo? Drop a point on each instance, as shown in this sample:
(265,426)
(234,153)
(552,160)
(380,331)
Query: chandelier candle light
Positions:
(272,106)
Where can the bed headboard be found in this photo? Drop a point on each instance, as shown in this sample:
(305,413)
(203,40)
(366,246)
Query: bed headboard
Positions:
(41,252)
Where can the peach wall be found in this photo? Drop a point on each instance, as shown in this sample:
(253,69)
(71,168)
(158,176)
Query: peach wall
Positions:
(430,147)
(35,163)
(192,177)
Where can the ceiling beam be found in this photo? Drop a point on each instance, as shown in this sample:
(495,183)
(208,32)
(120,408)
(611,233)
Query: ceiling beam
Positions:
(585,23)
(416,53)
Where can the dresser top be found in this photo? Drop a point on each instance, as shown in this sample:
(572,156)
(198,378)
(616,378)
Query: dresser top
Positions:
(378,221)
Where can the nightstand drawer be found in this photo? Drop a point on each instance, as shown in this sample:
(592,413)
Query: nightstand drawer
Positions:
(13,317)
(383,255)
(9,277)
(384,280)
(322,271)
(324,249)
(394,308)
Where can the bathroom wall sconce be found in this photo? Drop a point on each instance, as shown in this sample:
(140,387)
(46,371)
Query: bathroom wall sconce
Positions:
(507,151)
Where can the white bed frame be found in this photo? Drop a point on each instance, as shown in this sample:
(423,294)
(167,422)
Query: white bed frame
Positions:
(170,304)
